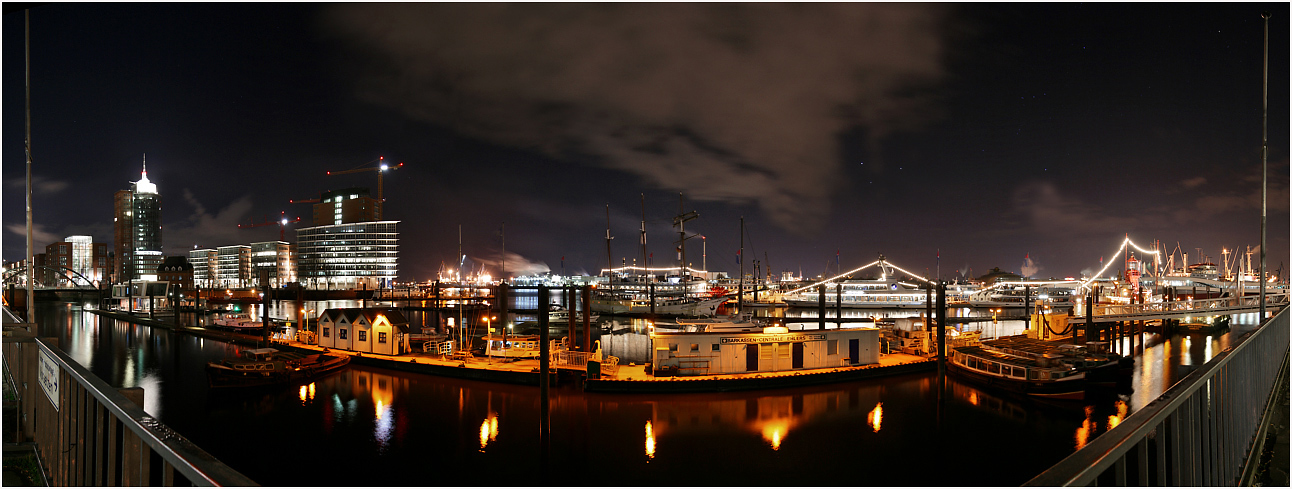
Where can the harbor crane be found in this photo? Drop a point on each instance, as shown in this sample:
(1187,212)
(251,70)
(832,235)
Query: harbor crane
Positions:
(282,223)
(380,168)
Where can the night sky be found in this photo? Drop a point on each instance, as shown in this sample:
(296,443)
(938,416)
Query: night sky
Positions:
(983,132)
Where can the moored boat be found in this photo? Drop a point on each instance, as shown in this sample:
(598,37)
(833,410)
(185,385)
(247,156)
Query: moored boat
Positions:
(267,366)
(514,346)
(1044,377)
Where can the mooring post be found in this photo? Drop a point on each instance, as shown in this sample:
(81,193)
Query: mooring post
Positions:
(928,304)
(652,298)
(572,319)
(838,304)
(587,318)
(942,331)
(820,310)
(1027,307)
(544,423)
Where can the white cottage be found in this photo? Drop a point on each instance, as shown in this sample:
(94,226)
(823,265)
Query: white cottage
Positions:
(383,331)
(770,350)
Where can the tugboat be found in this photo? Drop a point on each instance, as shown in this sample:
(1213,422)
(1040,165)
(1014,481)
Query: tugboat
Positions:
(267,366)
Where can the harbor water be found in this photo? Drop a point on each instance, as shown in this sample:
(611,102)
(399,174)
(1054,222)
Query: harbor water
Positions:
(368,426)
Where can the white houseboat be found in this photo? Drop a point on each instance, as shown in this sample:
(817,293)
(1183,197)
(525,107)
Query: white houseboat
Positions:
(768,349)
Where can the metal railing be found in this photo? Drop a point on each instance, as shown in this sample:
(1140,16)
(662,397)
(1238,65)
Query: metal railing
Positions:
(1201,431)
(1200,306)
(609,365)
(87,433)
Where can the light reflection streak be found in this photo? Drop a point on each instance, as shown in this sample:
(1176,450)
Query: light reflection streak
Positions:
(488,430)
(875,417)
(1087,428)
(650,440)
(1116,419)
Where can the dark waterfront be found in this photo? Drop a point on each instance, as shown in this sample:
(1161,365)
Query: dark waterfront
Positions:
(371,426)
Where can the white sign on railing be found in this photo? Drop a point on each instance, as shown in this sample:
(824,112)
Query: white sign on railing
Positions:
(47,376)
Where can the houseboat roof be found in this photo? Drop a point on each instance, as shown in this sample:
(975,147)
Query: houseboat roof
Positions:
(351,314)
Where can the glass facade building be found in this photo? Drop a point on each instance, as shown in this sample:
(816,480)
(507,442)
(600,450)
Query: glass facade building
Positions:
(277,258)
(205,263)
(348,256)
(233,266)
(138,230)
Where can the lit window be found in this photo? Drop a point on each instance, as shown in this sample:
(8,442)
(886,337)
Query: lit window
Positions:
(363,336)
(381,337)
(340,334)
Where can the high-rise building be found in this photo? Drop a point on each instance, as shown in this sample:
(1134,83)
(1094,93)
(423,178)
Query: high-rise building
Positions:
(277,258)
(345,206)
(233,266)
(138,230)
(348,256)
(80,254)
(205,262)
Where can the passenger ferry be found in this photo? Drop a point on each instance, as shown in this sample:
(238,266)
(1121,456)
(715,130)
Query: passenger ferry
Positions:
(619,304)
(863,294)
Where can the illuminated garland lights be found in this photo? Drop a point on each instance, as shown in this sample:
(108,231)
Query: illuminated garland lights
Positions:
(1120,249)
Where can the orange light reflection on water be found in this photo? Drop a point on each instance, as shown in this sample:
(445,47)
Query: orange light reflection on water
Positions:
(650,440)
(1086,429)
(875,417)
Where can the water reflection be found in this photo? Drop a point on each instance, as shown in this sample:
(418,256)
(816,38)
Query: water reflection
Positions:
(650,440)
(876,416)
(389,418)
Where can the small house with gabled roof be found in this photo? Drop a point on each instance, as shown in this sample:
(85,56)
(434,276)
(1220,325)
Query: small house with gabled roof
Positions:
(371,330)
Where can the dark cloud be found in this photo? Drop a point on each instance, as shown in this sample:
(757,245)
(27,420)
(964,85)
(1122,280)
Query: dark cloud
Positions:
(738,103)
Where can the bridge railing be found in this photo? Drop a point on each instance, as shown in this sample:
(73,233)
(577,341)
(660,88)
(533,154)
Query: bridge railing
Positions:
(1201,431)
(88,433)
(1189,305)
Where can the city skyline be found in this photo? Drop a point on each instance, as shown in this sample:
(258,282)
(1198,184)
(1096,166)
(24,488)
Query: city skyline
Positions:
(1040,131)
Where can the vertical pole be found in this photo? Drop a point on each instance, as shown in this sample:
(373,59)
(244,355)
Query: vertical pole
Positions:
(31,254)
(838,304)
(928,304)
(1027,307)
(651,285)
(502,297)
(1090,317)
(570,344)
(740,296)
(543,377)
(942,331)
(264,304)
(1265,96)
(820,311)
(587,318)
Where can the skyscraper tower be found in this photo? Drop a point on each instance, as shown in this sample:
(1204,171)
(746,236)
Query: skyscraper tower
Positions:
(138,230)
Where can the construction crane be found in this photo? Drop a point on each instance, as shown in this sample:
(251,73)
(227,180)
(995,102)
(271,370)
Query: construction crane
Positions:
(380,169)
(282,223)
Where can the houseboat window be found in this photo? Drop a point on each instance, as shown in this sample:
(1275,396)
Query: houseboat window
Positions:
(326,333)
(695,347)
(363,336)
(714,347)
(1044,375)
(993,368)
(672,347)
(832,347)
(381,337)
(1034,375)
(765,352)
(340,334)
(783,349)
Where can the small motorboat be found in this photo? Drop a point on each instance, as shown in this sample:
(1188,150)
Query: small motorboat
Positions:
(268,366)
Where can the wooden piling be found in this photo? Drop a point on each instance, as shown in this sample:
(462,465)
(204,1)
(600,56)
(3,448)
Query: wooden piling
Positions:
(820,310)
(587,318)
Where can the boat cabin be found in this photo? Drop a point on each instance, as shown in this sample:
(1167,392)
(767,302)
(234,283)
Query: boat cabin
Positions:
(515,346)
(770,349)
(258,354)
